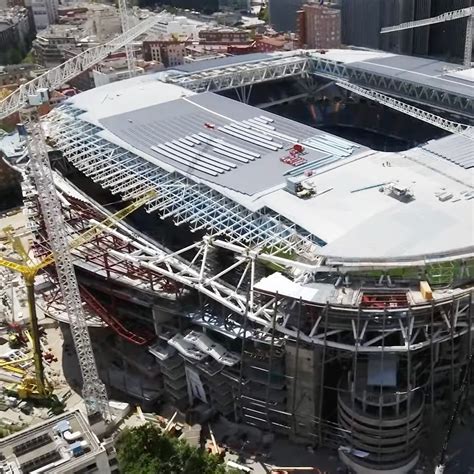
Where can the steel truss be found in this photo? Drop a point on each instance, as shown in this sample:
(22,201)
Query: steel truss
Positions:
(407,109)
(93,390)
(243,75)
(126,257)
(298,63)
(59,75)
(179,198)
(433,96)
(452,313)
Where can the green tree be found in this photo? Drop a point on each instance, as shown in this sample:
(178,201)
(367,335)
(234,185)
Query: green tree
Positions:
(145,450)
(14,56)
(264,14)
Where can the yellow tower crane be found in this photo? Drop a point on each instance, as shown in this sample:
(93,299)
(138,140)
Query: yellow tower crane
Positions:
(38,387)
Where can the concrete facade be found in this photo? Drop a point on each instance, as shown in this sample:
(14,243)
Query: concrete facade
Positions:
(16,29)
(45,13)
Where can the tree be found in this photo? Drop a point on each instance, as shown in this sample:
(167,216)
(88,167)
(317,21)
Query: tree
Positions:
(14,56)
(145,450)
(264,14)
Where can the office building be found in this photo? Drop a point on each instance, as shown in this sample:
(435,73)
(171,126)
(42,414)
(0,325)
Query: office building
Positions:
(45,13)
(319,27)
(15,30)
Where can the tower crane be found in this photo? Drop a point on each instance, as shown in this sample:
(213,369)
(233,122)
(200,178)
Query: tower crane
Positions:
(448,16)
(125,21)
(59,75)
(31,95)
(29,271)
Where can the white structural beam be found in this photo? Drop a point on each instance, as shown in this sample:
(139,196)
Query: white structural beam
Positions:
(125,21)
(448,16)
(198,275)
(193,267)
(93,390)
(59,75)
(468,43)
(298,63)
(432,119)
(180,198)
(240,75)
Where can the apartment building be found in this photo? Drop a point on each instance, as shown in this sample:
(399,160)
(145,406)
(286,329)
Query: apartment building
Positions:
(319,27)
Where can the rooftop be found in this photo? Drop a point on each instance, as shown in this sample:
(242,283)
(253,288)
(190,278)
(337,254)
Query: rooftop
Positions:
(60,441)
(244,154)
(426,71)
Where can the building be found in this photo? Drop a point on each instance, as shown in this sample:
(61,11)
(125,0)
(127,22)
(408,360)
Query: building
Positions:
(168,52)
(63,444)
(346,330)
(319,27)
(115,68)
(45,13)
(180,28)
(75,34)
(16,33)
(50,43)
(363,19)
(98,19)
(283,14)
(223,35)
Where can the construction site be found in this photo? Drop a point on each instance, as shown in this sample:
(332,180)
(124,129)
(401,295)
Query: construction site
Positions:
(215,238)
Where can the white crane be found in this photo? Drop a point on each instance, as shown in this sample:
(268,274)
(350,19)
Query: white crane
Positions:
(448,16)
(125,20)
(59,75)
(93,390)
(30,95)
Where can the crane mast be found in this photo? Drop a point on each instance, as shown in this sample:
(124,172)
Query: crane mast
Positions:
(93,390)
(125,20)
(448,16)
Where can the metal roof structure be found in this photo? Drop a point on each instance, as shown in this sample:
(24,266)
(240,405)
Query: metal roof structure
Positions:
(428,81)
(241,151)
(218,164)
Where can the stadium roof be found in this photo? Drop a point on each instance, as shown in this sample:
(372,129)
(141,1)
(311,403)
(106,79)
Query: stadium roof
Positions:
(424,71)
(236,150)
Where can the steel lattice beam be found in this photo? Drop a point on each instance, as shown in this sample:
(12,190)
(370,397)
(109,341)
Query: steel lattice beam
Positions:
(59,75)
(93,390)
(180,198)
(448,16)
(199,273)
(407,109)
(296,63)
(243,75)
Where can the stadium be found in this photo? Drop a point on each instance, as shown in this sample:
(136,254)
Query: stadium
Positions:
(293,279)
